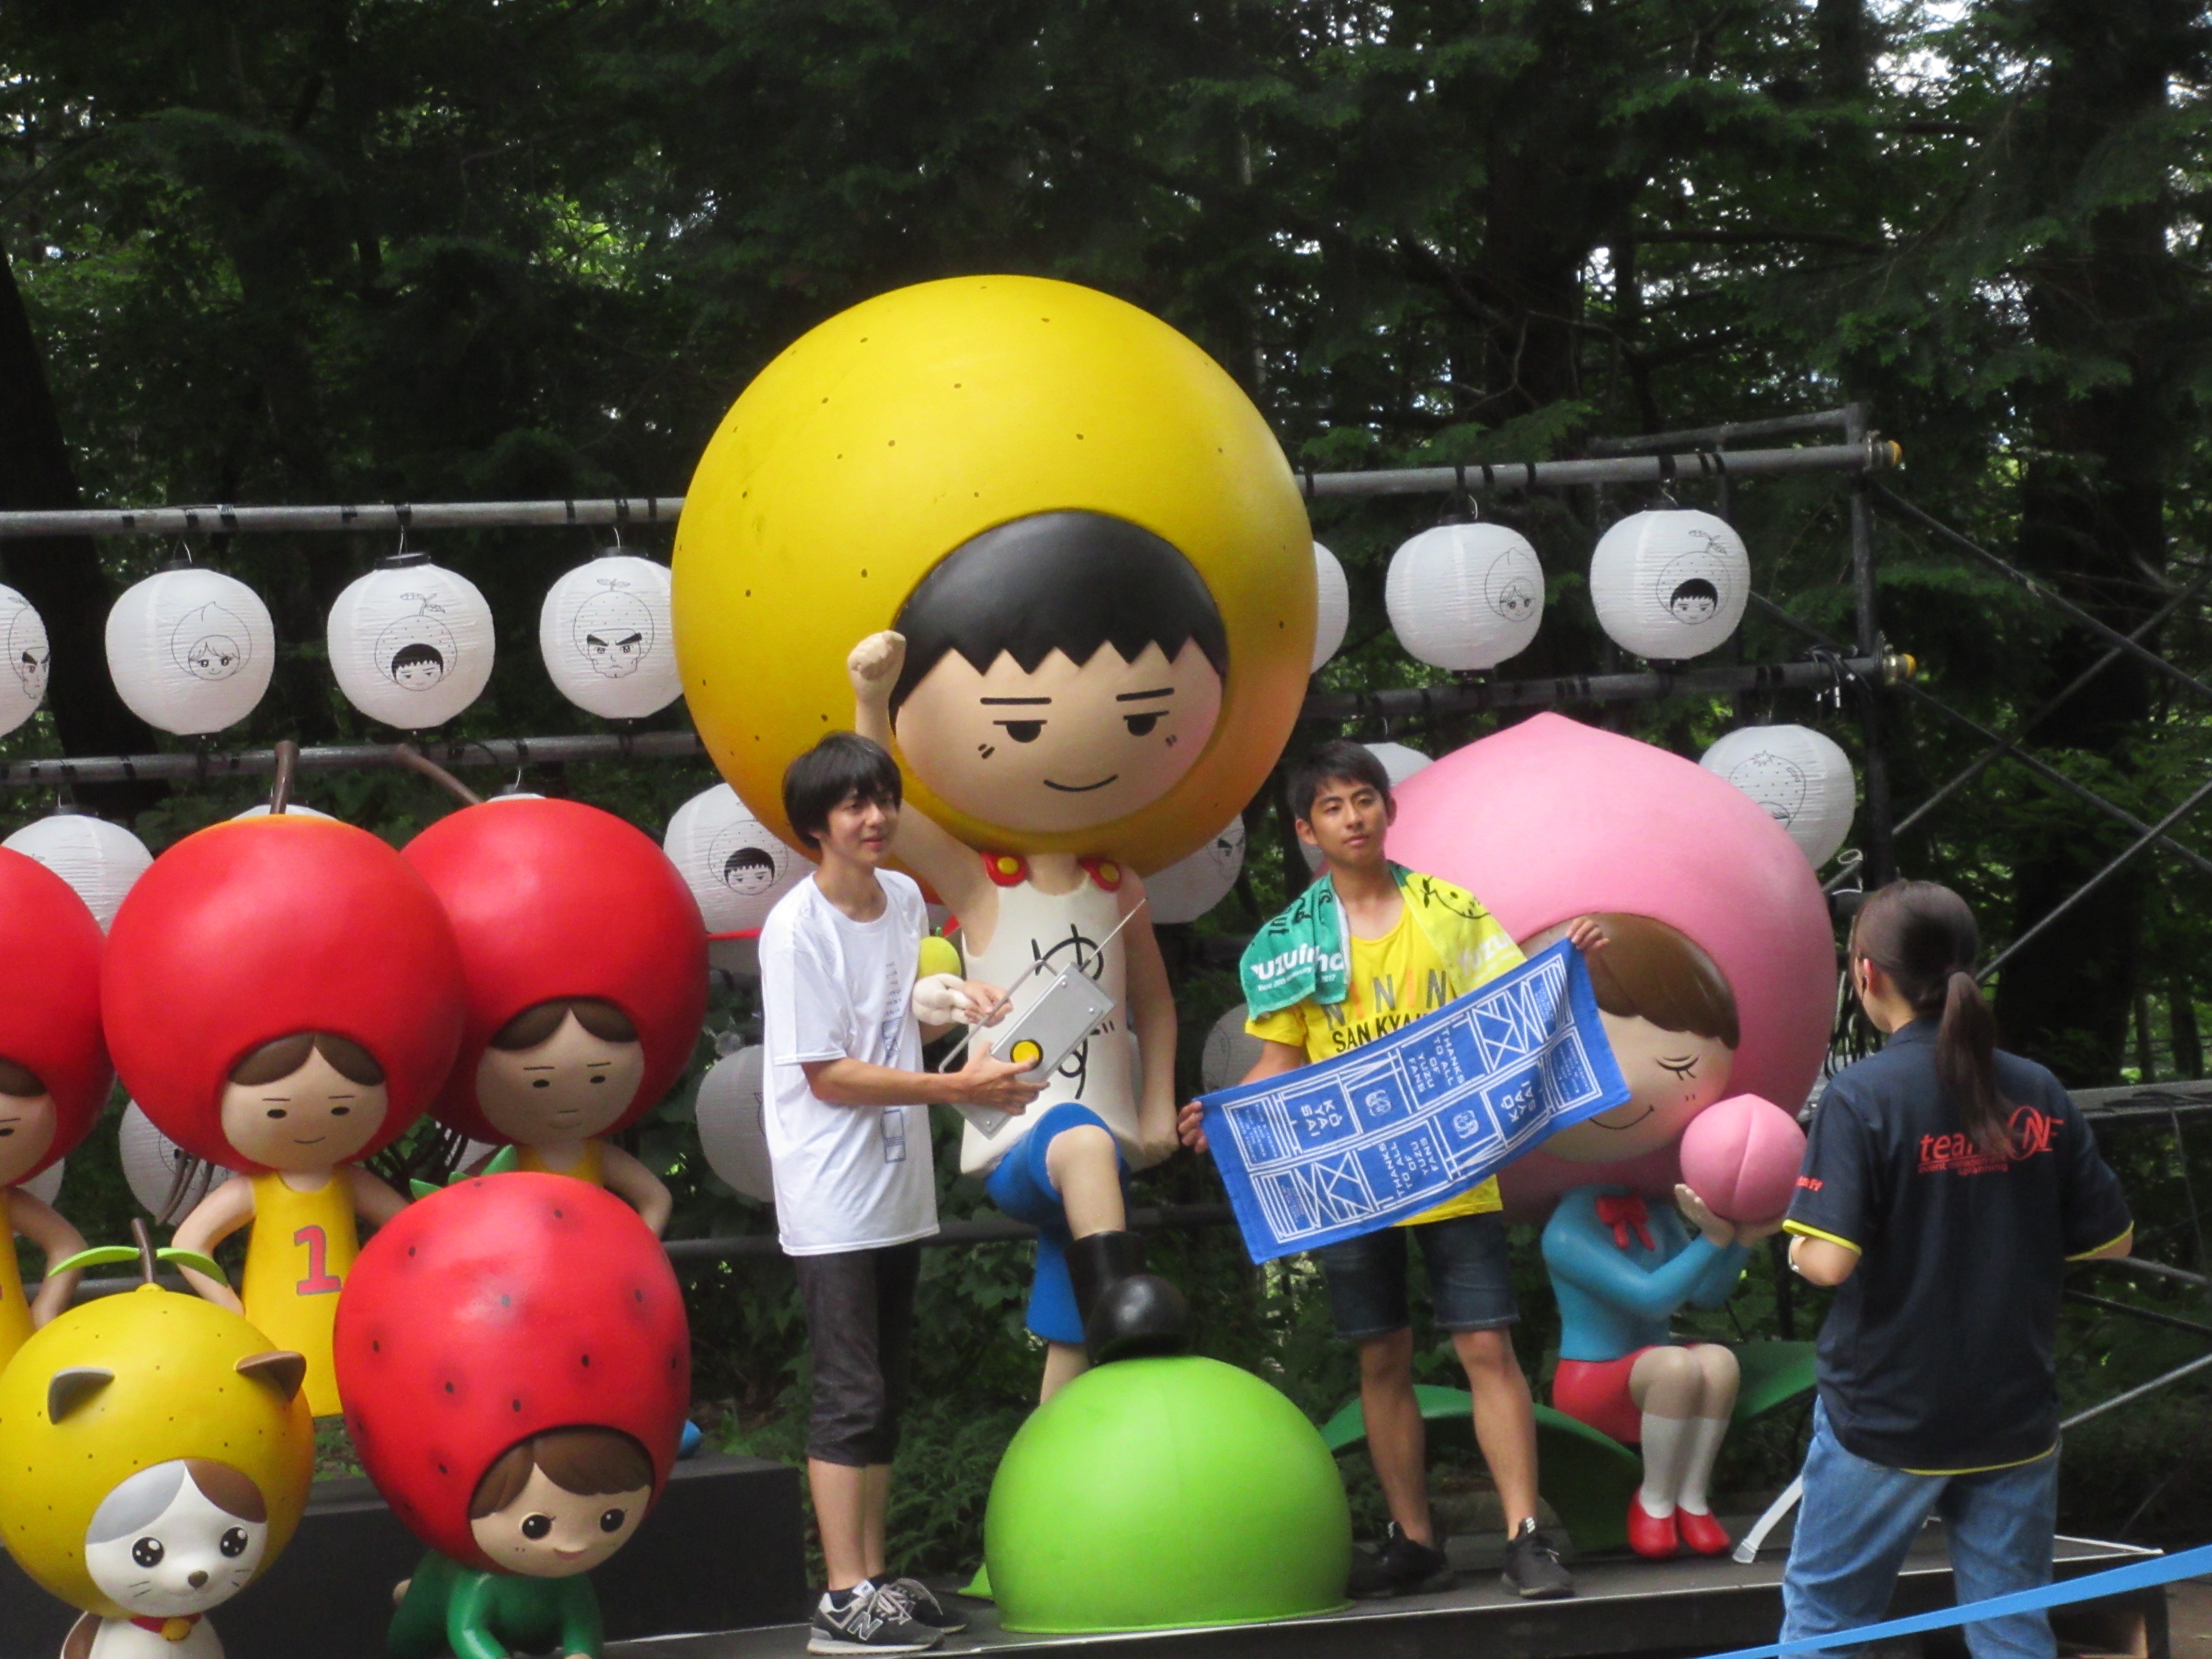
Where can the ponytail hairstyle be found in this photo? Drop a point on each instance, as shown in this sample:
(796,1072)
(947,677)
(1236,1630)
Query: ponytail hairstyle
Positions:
(1922,937)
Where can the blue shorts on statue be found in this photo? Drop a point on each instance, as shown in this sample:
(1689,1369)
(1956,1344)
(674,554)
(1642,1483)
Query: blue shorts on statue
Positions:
(1021,1185)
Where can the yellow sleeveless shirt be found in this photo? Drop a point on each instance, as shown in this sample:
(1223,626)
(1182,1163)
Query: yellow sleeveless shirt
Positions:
(299,1251)
(15,1312)
(592,1167)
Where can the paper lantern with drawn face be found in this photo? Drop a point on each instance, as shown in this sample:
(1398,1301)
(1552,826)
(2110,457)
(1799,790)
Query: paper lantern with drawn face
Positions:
(23,639)
(1465,596)
(1333,605)
(1230,1051)
(101,860)
(152,1164)
(1188,888)
(604,634)
(735,868)
(730,1131)
(191,650)
(411,643)
(1797,776)
(1670,584)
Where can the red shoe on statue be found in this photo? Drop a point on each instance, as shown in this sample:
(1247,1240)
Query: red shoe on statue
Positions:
(1649,1536)
(1701,1532)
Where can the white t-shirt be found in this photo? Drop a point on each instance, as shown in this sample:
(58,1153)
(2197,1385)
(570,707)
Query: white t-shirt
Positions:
(847,1177)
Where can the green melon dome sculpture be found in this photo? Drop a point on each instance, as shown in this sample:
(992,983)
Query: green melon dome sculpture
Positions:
(1156,1493)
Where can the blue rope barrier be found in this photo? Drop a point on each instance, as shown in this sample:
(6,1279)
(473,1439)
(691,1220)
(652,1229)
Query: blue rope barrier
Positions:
(2141,1575)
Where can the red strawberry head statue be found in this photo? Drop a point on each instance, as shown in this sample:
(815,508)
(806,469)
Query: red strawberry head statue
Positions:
(54,1072)
(516,1367)
(586,963)
(281,994)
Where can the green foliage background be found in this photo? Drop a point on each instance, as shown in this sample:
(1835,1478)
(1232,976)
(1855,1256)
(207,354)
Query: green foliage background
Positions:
(316,250)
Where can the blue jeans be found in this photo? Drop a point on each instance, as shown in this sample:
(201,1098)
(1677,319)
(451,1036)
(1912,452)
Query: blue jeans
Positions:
(1858,1519)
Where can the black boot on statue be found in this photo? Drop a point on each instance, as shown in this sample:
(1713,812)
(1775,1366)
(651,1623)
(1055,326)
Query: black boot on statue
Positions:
(1127,1313)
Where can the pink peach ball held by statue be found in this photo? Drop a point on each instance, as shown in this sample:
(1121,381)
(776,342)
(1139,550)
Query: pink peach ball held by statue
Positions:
(1719,977)
(282,997)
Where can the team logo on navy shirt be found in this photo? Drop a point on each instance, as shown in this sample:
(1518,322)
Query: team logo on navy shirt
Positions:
(2031,1132)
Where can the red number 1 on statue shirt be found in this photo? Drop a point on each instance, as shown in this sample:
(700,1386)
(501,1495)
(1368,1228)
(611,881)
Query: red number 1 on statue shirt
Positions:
(318,1282)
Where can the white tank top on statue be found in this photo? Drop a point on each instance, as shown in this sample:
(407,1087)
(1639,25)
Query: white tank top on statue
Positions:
(1032,924)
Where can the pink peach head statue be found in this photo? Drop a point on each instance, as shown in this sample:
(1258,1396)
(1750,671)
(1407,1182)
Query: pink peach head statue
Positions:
(1717,981)
(1552,820)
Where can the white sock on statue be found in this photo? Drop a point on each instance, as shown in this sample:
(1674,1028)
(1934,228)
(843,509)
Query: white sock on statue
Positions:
(1704,1447)
(1665,1444)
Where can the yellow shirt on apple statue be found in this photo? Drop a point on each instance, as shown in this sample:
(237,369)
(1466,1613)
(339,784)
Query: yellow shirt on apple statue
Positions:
(1394,981)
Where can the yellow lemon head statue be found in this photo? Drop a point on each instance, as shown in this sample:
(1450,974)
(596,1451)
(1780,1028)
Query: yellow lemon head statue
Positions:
(157,1454)
(1089,539)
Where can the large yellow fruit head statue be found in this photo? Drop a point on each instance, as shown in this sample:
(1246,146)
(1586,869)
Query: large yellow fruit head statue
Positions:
(1014,475)
(156,1455)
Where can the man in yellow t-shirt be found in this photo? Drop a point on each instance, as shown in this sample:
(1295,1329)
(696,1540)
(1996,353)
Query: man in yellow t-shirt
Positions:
(1341,798)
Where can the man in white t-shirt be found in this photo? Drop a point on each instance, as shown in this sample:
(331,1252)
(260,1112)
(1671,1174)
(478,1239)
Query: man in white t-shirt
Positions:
(848,1139)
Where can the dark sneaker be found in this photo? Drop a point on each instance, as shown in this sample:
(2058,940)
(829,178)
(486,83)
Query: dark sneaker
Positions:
(922,1606)
(1399,1567)
(867,1619)
(1533,1571)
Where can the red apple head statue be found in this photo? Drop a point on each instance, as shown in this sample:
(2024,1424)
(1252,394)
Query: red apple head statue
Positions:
(266,928)
(49,999)
(555,903)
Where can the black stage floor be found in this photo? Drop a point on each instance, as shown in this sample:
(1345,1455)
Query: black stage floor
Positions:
(1625,1606)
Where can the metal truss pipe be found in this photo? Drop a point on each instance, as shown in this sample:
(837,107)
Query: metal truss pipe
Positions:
(203,765)
(1595,688)
(393,518)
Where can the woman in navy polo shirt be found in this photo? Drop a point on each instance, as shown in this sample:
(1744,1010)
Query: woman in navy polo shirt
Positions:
(1945,1185)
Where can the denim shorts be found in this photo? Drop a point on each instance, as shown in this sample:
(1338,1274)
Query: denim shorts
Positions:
(1470,1278)
(1021,1185)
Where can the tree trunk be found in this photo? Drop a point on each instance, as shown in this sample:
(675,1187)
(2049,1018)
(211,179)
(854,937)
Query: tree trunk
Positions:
(60,576)
(2094,504)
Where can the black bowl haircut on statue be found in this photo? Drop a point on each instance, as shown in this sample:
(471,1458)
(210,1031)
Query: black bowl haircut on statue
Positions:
(1067,581)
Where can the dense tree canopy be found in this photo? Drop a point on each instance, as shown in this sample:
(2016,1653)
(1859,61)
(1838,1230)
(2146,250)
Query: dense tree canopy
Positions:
(311,250)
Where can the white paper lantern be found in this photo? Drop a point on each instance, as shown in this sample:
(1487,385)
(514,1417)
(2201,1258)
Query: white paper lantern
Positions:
(1398,764)
(1670,584)
(191,650)
(262,810)
(23,637)
(150,1163)
(99,859)
(1799,776)
(734,867)
(604,634)
(47,1185)
(1230,1051)
(1188,888)
(1333,609)
(411,643)
(731,1132)
(1465,596)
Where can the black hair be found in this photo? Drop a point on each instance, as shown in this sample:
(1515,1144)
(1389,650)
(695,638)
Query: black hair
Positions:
(746,858)
(1339,757)
(1696,588)
(1923,936)
(843,766)
(1058,582)
(408,656)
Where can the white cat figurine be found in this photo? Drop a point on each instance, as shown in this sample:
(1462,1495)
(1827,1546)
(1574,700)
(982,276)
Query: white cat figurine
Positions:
(167,1545)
